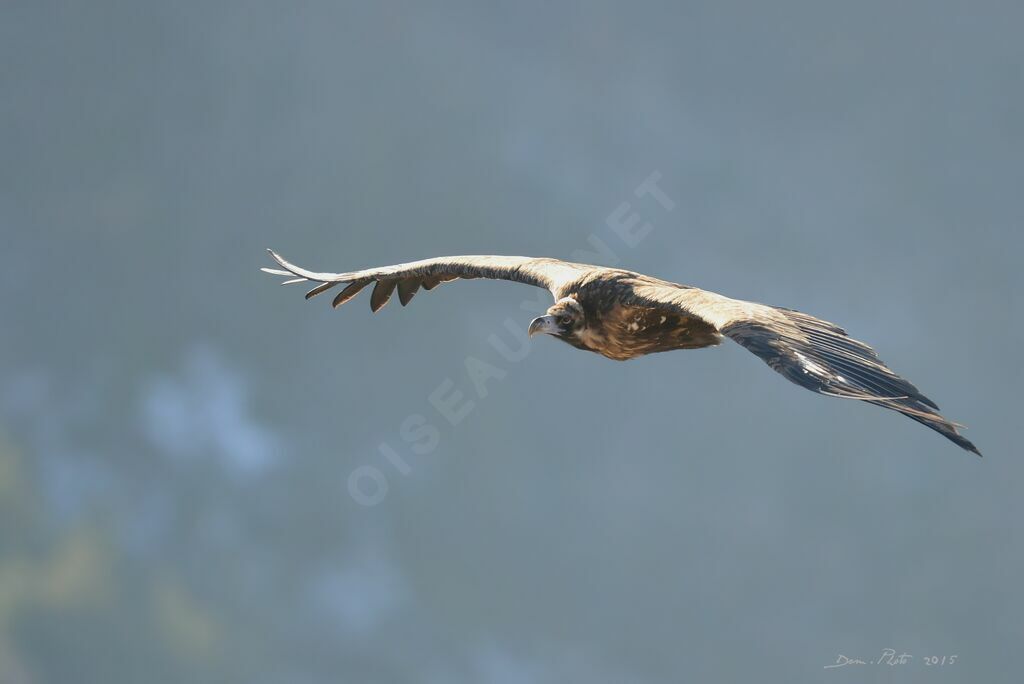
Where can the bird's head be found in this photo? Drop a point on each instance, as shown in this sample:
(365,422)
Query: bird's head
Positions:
(564,320)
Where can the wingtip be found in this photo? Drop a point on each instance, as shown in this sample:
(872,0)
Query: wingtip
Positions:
(965,443)
(275,256)
(951,431)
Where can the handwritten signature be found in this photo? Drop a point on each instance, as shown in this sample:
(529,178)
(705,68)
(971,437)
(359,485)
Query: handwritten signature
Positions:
(892,659)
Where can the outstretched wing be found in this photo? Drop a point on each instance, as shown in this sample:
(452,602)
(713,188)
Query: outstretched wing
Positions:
(551,274)
(806,350)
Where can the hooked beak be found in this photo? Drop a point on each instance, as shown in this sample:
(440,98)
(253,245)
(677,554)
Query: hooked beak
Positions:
(547,325)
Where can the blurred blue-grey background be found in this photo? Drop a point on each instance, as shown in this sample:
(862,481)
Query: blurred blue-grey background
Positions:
(178,433)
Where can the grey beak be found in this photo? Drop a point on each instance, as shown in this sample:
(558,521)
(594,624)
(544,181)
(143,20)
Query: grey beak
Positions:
(545,324)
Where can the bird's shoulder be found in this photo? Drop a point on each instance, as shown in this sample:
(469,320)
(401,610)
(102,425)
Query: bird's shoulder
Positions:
(623,285)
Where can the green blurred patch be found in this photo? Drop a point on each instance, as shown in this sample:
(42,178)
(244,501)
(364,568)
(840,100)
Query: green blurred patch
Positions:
(186,625)
(75,607)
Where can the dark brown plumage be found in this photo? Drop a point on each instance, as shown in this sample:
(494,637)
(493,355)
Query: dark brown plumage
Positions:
(621,315)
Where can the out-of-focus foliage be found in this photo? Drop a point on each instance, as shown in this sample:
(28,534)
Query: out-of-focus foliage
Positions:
(71,591)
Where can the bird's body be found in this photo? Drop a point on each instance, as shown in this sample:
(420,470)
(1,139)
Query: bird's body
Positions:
(622,315)
(619,328)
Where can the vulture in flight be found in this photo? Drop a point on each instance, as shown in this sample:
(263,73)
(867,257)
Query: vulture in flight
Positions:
(621,315)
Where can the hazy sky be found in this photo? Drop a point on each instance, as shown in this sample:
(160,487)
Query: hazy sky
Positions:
(179,436)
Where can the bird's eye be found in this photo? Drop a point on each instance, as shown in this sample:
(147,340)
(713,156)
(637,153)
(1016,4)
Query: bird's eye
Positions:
(565,320)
